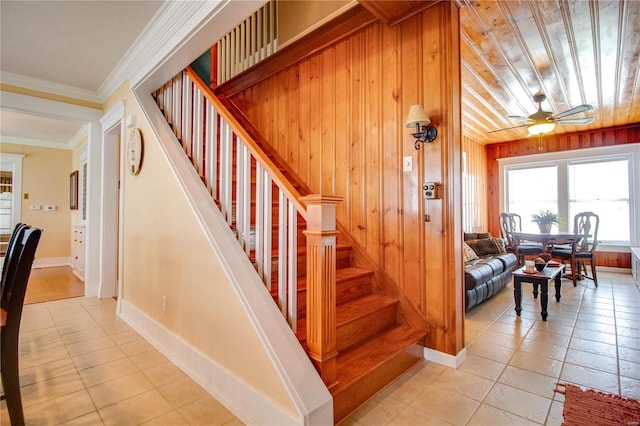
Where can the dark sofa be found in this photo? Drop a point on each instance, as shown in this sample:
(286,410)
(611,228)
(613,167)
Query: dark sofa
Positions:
(487,270)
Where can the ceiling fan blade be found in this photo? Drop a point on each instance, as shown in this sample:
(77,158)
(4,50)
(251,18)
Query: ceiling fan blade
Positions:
(519,117)
(574,110)
(508,128)
(587,120)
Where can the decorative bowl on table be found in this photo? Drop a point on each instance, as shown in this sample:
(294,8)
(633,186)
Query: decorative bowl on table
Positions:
(540,263)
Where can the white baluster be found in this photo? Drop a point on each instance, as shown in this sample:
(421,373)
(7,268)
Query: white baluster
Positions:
(211,150)
(292,260)
(282,250)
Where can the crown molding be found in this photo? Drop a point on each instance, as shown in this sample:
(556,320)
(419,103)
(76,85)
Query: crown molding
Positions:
(36,142)
(31,83)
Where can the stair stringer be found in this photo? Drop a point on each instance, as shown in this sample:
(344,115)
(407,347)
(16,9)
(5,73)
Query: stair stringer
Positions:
(308,394)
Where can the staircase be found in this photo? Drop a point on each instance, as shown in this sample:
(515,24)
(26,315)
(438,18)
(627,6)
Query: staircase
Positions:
(373,349)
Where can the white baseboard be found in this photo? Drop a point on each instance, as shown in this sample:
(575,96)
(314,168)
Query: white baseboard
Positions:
(51,262)
(237,396)
(453,361)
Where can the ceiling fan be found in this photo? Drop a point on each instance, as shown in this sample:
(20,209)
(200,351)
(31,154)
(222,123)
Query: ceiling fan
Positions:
(542,122)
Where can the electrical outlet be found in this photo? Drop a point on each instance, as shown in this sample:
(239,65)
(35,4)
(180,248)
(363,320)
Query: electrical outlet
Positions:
(164,303)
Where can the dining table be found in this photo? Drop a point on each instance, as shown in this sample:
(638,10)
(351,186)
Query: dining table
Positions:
(547,239)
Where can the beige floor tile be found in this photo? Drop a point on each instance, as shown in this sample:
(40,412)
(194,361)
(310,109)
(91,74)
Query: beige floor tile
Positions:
(136,347)
(545,336)
(487,415)
(405,389)
(463,383)
(593,347)
(164,373)
(592,360)
(44,372)
(105,372)
(555,417)
(59,410)
(91,345)
(519,402)
(208,411)
(529,381)
(483,367)
(150,359)
(93,359)
(379,411)
(448,406)
(630,388)
(119,389)
(500,339)
(90,419)
(595,336)
(182,392)
(83,335)
(123,337)
(629,369)
(412,416)
(172,418)
(489,351)
(536,363)
(596,379)
(51,389)
(139,409)
(33,359)
(546,350)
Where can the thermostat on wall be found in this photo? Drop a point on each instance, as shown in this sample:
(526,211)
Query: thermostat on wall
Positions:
(49,208)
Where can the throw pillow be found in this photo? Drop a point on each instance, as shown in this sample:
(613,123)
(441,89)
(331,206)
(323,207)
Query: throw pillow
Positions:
(476,235)
(484,247)
(501,245)
(468,252)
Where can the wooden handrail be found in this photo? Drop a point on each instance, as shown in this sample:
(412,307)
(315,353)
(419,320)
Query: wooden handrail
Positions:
(279,179)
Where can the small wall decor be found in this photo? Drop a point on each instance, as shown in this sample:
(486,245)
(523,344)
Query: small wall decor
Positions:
(135,151)
(73,191)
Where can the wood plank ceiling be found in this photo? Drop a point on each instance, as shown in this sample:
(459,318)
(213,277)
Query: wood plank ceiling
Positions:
(574,51)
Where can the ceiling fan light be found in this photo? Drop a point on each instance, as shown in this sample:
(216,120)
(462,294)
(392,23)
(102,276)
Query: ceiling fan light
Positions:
(540,128)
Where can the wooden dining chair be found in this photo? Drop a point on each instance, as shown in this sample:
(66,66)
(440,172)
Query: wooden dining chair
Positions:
(510,223)
(583,246)
(17,231)
(13,292)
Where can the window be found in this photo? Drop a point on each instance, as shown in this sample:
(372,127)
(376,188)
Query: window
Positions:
(603,188)
(601,180)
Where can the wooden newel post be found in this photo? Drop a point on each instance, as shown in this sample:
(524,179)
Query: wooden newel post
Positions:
(321,283)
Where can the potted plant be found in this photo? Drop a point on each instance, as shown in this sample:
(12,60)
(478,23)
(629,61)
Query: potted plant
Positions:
(545,219)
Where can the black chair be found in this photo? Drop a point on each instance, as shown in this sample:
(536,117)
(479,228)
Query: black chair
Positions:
(583,246)
(13,292)
(18,231)
(510,223)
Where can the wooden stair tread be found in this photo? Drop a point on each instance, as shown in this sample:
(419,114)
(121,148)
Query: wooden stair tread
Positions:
(342,275)
(357,308)
(359,360)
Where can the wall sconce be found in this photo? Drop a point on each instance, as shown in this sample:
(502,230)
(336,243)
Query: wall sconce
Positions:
(424,132)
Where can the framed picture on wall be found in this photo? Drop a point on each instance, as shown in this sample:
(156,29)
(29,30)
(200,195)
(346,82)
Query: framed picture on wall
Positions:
(73,191)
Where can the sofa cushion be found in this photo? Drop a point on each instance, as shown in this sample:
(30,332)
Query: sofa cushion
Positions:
(508,259)
(485,246)
(477,272)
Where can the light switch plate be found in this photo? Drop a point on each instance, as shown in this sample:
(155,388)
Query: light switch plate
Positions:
(407,164)
(35,207)
(49,208)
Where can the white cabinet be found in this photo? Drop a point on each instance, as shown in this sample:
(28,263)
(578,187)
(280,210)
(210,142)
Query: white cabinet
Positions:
(78,251)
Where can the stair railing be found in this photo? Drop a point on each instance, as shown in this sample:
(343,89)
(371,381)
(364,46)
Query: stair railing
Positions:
(248,43)
(212,138)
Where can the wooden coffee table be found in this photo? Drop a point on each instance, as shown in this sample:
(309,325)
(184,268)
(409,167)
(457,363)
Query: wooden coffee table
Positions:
(538,278)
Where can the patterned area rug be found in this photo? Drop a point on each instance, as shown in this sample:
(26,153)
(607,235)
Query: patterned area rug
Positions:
(590,407)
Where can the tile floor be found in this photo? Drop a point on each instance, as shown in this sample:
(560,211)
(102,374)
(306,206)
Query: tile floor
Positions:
(591,338)
(80,364)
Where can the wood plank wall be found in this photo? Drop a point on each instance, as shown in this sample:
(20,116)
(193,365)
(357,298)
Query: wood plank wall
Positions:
(337,117)
(555,143)
(474,186)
